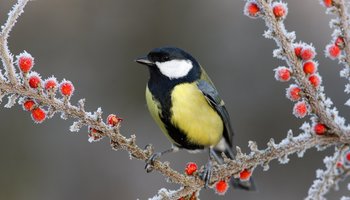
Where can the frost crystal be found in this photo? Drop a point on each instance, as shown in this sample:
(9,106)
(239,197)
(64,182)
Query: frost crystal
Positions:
(81,104)
(51,112)
(278,53)
(2,78)
(12,101)
(328,103)
(290,134)
(347,88)
(253,146)
(291,36)
(163,194)
(268,34)
(334,23)
(301,153)
(2,94)
(64,116)
(76,126)
(284,159)
(339,120)
(344,73)
(265,166)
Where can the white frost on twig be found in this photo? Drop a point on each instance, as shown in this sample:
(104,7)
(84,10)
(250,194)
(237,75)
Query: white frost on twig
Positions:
(11,101)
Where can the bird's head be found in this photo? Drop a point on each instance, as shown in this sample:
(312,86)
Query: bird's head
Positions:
(171,62)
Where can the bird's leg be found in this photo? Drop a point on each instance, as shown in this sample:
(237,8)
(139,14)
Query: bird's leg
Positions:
(206,175)
(155,156)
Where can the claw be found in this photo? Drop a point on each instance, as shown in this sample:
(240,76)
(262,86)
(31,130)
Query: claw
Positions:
(150,161)
(206,175)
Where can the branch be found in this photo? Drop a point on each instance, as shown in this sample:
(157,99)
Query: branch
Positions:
(39,97)
(339,47)
(335,171)
(6,57)
(313,95)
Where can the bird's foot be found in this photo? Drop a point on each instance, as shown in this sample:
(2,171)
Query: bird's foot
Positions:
(150,161)
(206,175)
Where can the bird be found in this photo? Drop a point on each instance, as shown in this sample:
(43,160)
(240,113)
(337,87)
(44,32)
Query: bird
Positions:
(187,107)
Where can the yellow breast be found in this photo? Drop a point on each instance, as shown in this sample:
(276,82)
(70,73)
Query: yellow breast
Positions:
(192,114)
(153,107)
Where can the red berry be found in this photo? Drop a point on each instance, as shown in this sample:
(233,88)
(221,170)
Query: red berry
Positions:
(221,187)
(297,50)
(66,88)
(282,74)
(245,175)
(340,42)
(300,109)
(333,51)
(328,3)
(293,92)
(347,156)
(113,120)
(279,10)
(191,167)
(25,62)
(38,115)
(315,80)
(252,9)
(28,105)
(307,53)
(310,67)
(339,165)
(320,129)
(50,84)
(94,135)
(34,81)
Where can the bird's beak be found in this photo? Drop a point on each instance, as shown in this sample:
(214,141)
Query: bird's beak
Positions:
(144,60)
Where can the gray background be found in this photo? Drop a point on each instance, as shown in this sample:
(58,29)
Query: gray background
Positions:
(94,43)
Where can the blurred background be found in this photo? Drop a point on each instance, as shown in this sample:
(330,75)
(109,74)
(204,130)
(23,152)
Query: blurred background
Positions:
(94,43)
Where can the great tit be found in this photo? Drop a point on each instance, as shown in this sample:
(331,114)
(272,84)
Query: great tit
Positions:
(187,107)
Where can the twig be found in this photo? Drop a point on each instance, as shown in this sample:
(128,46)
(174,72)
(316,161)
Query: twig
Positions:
(6,57)
(331,176)
(18,86)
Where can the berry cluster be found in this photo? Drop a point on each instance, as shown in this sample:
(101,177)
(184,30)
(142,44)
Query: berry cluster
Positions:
(25,63)
(305,54)
(49,88)
(222,185)
(343,162)
(253,10)
(334,49)
(96,135)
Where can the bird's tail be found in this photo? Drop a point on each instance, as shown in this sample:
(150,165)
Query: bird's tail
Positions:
(236,183)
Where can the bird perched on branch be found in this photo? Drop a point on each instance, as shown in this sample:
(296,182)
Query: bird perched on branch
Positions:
(187,107)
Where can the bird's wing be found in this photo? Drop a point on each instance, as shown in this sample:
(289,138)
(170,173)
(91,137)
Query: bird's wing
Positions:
(217,103)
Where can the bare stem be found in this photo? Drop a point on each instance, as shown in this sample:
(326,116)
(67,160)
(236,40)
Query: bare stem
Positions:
(6,57)
(344,28)
(329,177)
(17,86)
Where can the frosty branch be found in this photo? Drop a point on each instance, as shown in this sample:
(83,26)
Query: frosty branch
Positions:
(40,98)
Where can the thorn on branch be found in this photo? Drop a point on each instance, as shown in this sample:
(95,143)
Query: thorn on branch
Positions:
(283,159)
(11,100)
(76,126)
(81,105)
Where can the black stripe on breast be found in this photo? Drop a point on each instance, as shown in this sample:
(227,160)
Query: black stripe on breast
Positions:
(160,88)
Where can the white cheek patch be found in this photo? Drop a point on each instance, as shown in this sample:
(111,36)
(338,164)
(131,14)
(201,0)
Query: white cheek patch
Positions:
(175,68)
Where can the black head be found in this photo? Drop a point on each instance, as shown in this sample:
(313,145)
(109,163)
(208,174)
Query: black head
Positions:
(171,62)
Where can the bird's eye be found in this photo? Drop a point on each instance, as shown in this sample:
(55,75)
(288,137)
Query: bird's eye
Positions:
(165,58)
